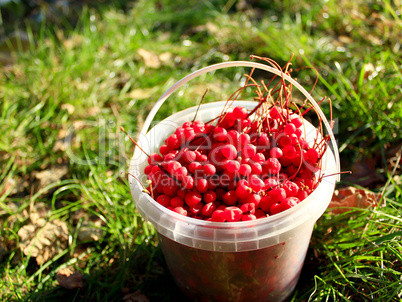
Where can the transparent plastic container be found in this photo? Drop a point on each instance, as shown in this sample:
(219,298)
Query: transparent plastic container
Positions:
(258,260)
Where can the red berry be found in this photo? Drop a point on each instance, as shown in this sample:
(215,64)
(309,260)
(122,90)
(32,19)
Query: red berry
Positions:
(173,166)
(177,202)
(277,194)
(248,208)
(244,139)
(208,209)
(192,198)
(189,156)
(266,203)
(232,137)
(218,216)
(260,214)
(164,149)
(194,166)
(254,198)
(248,151)
(262,142)
(289,151)
(209,196)
(256,183)
(297,121)
(197,208)
(154,158)
(240,112)
(180,210)
(258,158)
(289,129)
(285,141)
(248,217)
(170,189)
(270,183)
(201,185)
(180,173)
(148,169)
(302,195)
(209,169)
(291,189)
(187,124)
(233,214)
(312,156)
(232,166)
(220,134)
(298,132)
(242,191)
(256,168)
(188,182)
(229,151)
(245,170)
(230,198)
(173,142)
(276,112)
(163,200)
(273,166)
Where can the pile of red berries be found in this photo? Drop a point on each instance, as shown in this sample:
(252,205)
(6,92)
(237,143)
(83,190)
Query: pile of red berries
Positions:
(240,166)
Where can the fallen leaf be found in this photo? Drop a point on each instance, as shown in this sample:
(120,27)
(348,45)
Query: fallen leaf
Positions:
(51,175)
(142,93)
(352,197)
(90,232)
(364,173)
(135,297)
(165,57)
(69,107)
(150,59)
(43,239)
(69,279)
(8,186)
(93,111)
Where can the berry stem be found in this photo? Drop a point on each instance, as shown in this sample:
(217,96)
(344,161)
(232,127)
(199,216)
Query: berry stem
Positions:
(135,143)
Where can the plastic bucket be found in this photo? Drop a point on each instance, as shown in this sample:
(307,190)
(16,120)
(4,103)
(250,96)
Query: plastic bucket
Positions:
(258,260)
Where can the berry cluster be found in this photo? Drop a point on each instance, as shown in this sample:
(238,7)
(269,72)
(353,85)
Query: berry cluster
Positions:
(240,166)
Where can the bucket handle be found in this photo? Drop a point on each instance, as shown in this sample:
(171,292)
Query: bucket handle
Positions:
(256,65)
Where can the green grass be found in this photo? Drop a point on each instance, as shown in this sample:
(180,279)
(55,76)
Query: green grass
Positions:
(64,97)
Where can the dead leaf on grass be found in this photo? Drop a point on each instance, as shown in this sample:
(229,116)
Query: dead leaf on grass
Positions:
(51,175)
(150,59)
(364,172)
(43,239)
(153,60)
(8,186)
(69,279)
(142,93)
(353,197)
(69,107)
(135,297)
(90,231)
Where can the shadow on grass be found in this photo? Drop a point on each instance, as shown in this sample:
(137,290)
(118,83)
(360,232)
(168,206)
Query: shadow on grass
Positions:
(144,270)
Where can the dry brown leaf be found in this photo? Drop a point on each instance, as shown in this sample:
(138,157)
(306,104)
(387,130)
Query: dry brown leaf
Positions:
(165,57)
(43,239)
(135,297)
(69,107)
(93,111)
(52,175)
(8,186)
(364,172)
(353,197)
(150,59)
(69,279)
(90,232)
(142,93)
